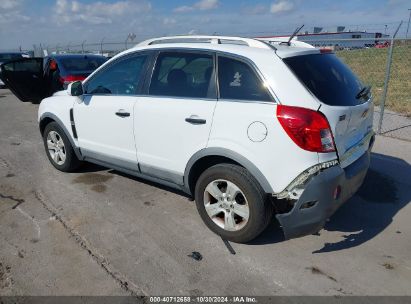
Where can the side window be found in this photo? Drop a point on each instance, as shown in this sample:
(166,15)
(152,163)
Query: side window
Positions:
(237,80)
(32,65)
(182,75)
(120,78)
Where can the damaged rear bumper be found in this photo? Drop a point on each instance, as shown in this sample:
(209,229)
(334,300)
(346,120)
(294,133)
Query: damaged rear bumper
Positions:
(323,194)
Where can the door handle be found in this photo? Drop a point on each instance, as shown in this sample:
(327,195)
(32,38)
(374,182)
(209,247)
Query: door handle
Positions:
(122,113)
(195,120)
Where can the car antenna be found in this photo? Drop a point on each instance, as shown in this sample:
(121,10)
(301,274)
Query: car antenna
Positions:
(293,35)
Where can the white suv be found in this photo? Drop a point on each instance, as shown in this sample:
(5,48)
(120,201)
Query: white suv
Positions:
(249,127)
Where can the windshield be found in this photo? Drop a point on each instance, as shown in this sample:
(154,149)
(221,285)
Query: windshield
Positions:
(81,64)
(328,78)
(9,56)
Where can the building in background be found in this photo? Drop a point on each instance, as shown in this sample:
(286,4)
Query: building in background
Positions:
(341,38)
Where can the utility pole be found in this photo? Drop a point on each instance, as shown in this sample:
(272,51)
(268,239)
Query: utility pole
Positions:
(409,18)
(82,46)
(101,45)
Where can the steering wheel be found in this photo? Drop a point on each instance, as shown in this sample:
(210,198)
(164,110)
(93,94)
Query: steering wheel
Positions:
(122,88)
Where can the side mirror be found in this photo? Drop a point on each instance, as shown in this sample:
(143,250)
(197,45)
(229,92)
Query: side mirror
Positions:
(75,88)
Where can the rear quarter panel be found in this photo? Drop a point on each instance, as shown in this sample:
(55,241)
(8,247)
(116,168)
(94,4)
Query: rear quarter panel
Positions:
(278,158)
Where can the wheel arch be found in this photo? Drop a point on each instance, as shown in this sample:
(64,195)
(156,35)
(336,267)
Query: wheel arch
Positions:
(47,118)
(207,157)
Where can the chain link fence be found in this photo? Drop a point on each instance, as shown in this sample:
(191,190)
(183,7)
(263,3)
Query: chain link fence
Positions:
(377,68)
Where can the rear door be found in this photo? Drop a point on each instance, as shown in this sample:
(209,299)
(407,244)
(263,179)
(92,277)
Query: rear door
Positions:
(350,114)
(24,77)
(174,120)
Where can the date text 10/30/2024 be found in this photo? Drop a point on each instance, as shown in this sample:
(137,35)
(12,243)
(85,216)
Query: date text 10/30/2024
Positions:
(202,299)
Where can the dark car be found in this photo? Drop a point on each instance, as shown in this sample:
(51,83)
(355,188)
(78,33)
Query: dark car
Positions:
(36,78)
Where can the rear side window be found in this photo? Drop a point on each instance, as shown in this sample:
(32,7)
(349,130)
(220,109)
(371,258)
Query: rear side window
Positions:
(328,78)
(31,65)
(9,56)
(182,75)
(120,78)
(237,80)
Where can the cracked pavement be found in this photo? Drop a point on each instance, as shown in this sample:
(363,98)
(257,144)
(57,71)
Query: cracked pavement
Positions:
(100,232)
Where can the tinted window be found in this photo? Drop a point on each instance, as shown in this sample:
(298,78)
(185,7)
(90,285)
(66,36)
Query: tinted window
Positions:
(182,74)
(120,78)
(237,80)
(81,64)
(327,77)
(33,65)
(9,56)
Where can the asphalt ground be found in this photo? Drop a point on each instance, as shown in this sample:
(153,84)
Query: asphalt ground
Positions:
(100,232)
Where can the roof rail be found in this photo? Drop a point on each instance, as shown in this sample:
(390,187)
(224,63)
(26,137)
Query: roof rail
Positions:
(206,39)
(281,40)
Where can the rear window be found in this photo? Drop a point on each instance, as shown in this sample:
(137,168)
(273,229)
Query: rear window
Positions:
(328,78)
(81,64)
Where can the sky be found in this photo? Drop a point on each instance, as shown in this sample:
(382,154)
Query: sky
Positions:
(50,22)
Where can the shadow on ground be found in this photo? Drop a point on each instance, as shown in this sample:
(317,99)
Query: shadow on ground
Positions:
(150,183)
(89,167)
(373,208)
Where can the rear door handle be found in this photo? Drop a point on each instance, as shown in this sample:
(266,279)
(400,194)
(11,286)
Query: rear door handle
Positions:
(195,120)
(122,113)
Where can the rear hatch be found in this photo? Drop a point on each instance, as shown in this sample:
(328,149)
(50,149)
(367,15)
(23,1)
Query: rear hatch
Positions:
(344,101)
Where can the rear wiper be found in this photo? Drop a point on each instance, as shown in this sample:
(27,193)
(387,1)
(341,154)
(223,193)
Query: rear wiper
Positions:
(292,35)
(363,92)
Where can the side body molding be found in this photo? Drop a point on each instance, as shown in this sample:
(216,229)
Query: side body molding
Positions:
(229,154)
(68,134)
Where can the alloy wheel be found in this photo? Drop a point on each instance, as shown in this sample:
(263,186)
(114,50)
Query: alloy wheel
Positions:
(56,148)
(226,205)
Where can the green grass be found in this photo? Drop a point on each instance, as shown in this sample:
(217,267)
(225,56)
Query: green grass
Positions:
(370,66)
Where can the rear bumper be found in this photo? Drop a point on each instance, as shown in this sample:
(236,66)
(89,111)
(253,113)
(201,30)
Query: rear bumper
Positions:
(320,191)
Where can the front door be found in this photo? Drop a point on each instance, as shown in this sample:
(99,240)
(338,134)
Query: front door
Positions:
(174,120)
(104,118)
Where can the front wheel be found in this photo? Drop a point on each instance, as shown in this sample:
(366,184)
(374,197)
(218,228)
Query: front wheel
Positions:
(58,148)
(231,203)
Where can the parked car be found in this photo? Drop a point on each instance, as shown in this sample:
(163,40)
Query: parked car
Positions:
(8,56)
(36,78)
(247,127)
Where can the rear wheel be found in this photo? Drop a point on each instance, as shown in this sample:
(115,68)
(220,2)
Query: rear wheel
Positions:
(231,203)
(58,148)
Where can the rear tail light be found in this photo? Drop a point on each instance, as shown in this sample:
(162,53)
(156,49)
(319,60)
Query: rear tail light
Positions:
(309,129)
(70,78)
(53,65)
(326,51)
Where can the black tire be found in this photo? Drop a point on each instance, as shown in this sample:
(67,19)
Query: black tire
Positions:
(260,209)
(71,162)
